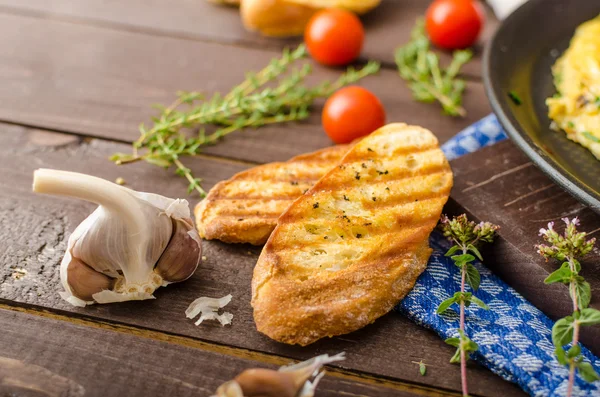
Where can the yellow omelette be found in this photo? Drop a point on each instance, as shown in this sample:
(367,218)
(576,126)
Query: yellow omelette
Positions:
(576,107)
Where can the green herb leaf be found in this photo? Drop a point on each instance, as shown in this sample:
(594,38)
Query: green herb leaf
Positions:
(562,275)
(515,98)
(591,137)
(574,351)
(583,291)
(562,332)
(473,277)
(587,372)
(471,346)
(446,304)
(461,260)
(589,316)
(561,356)
(479,303)
(161,162)
(453,342)
(422,368)
(475,251)
(452,250)
(456,357)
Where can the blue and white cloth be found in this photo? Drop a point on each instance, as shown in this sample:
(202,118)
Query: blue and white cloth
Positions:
(514,337)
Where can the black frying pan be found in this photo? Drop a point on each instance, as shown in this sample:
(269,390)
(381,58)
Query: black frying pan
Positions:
(519,59)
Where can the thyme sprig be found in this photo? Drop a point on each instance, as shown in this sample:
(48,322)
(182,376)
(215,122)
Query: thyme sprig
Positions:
(276,94)
(568,248)
(420,67)
(466,236)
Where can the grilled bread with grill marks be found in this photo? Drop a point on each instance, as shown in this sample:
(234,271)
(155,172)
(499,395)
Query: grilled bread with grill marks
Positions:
(345,252)
(245,208)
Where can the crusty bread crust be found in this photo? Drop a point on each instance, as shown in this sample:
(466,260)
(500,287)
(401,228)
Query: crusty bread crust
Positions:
(349,249)
(245,208)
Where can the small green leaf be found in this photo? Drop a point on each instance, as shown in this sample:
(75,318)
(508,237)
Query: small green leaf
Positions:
(562,275)
(561,356)
(161,162)
(562,332)
(583,292)
(464,258)
(515,98)
(475,251)
(456,357)
(591,137)
(446,304)
(453,342)
(587,372)
(471,346)
(589,316)
(121,157)
(473,277)
(576,265)
(574,351)
(422,368)
(452,250)
(479,303)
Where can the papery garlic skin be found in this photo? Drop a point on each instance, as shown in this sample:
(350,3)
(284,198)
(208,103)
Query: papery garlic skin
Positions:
(124,239)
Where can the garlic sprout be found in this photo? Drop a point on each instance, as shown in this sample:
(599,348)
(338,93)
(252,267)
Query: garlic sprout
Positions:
(130,245)
(297,380)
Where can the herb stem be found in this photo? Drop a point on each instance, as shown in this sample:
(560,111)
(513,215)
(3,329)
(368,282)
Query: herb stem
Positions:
(463,355)
(572,364)
(443,99)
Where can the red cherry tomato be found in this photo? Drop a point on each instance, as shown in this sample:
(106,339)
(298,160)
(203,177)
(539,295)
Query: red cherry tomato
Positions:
(350,113)
(454,24)
(334,37)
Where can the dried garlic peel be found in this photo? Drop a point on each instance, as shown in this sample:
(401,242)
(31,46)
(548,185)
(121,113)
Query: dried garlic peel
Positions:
(208,309)
(130,245)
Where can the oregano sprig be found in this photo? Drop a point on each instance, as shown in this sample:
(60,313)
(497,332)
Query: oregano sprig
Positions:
(466,236)
(276,94)
(569,248)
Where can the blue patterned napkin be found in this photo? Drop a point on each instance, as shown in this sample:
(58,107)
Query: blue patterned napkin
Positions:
(514,337)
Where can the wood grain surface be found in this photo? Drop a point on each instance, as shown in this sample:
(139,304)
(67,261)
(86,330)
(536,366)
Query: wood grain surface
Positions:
(33,238)
(42,355)
(77,78)
(387,27)
(104,83)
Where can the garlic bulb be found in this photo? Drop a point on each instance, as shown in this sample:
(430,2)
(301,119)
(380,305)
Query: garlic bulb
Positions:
(298,380)
(130,245)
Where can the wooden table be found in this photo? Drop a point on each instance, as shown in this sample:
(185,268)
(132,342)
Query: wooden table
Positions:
(77,77)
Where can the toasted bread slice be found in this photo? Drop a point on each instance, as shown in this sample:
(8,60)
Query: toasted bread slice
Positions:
(245,208)
(345,252)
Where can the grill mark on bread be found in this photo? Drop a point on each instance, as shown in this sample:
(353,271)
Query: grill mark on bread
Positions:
(238,198)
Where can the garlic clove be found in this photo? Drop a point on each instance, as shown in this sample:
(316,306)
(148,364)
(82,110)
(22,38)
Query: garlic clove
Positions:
(183,253)
(267,383)
(84,281)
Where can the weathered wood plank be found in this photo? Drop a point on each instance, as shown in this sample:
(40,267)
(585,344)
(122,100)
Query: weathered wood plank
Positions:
(499,184)
(387,27)
(63,358)
(33,233)
(100,82)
